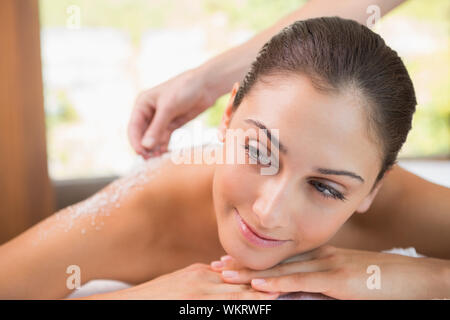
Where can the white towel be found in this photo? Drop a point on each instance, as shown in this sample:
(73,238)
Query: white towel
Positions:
(102,286)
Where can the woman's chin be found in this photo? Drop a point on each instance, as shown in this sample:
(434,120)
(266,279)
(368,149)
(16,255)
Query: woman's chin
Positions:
(254,265)
(245,255)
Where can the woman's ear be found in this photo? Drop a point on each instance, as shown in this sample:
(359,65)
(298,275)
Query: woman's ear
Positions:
(226,117)
(367,202)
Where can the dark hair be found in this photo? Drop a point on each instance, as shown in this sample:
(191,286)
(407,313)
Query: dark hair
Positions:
(338,54)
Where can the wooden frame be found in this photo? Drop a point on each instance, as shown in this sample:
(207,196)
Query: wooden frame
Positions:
(25,188)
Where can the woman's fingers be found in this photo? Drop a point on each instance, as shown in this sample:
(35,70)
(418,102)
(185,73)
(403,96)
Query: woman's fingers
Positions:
(229,263)
(236,291)
(245,295)
(227,288)
(246,275)
(226,263)
(307,282)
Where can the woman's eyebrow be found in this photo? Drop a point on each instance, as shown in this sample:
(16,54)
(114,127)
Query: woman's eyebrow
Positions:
(283,149)
(340,173)
(271,138)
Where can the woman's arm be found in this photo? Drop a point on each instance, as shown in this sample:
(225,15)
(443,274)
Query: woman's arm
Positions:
(109,236)
(348,274)
(222,71)
(195,282)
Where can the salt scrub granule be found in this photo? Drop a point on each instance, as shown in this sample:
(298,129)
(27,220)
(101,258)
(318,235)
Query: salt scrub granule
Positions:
(101,203)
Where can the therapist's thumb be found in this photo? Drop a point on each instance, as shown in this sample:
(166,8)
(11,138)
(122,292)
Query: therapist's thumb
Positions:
(155,132)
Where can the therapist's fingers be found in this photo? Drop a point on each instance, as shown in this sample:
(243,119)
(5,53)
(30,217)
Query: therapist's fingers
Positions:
(140,118)
(155,136)
(162,145)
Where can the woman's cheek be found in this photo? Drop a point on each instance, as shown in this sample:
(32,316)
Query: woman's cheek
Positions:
(318,226)
(236,184)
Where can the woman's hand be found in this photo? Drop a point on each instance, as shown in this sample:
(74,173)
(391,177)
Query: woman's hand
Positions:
(160,110)
(194,282)
(347,274)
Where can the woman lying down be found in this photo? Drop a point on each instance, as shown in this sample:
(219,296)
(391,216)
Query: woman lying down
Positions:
(324,110)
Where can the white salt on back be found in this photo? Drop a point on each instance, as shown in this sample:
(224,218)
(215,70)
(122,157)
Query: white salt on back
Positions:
(100,204)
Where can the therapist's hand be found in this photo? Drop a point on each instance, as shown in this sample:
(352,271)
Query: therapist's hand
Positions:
(347,274)
(162,109)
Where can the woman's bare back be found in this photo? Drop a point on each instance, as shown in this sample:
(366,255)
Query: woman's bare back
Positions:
(162,219)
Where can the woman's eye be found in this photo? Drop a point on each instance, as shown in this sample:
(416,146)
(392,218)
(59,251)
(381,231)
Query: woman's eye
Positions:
(257,155)
(327,191)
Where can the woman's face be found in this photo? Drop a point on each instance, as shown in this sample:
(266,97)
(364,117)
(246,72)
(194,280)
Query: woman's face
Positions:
(326,170)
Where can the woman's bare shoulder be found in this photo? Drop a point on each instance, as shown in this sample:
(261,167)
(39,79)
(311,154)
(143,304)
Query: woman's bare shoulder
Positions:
(174,175)
(407,211)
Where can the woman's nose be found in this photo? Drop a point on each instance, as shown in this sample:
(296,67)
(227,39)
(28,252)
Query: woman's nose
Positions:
(271,206)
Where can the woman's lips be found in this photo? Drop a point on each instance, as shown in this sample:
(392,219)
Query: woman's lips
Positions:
(253,237)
